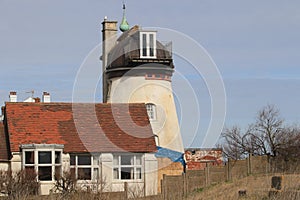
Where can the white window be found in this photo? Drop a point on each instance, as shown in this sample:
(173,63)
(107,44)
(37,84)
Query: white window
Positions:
(148,44)
(85,166)
(151,110)
(127,167)
(44,159)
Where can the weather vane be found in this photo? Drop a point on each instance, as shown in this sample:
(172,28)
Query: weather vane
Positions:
(32,93)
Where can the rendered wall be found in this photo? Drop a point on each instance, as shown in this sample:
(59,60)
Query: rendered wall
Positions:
(151,174)
(136,89)
(4,166)
(16,162)
(146,186)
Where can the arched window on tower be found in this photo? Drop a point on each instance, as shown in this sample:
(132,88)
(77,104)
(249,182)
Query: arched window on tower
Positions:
(151,110)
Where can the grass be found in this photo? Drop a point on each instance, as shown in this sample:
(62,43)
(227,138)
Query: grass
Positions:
(256,187)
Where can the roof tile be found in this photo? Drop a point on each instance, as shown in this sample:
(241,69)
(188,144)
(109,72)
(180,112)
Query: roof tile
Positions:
(81,127)
(3,143)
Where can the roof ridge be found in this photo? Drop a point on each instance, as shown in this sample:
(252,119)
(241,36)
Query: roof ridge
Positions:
(69,103)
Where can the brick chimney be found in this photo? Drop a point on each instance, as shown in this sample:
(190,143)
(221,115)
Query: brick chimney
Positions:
(37,100)
(109,39)
(13,96)
(46,97)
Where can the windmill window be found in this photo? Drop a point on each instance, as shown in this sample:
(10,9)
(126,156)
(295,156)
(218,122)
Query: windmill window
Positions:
(151,110)
(148,44)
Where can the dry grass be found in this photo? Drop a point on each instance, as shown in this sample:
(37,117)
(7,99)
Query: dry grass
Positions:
(257,187)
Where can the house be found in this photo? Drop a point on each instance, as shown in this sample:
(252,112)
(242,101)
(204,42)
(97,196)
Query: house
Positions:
(86,139)
(133,136)
(199,158)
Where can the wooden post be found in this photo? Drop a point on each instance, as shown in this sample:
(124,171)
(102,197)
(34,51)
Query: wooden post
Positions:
(163,186)
(228,170)
(207,178)
(249,167)
(184,184)
(126,190)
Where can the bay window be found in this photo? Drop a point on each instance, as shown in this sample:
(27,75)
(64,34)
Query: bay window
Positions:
(44,159)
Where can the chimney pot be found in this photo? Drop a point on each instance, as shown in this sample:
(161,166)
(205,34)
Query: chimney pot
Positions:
(13,96)
(46,97)
(37,100)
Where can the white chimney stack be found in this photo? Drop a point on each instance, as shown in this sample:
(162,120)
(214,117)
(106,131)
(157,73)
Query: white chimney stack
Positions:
(46,97)
(13,96)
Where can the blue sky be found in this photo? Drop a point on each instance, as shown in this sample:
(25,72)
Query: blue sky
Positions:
(255,45)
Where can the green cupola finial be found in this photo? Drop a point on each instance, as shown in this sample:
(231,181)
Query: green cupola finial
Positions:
(124,26)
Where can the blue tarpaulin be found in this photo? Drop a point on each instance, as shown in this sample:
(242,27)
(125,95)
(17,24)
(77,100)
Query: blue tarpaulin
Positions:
(175,156)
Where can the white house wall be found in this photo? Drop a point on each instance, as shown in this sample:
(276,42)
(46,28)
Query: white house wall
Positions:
(16,162)
(151,174)
(4,166)
(149,181)
(106,162)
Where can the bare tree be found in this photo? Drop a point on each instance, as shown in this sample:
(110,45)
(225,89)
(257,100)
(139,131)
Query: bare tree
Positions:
(234,146)
(19,185)
(265,137)
(136,191)
(267,129)
(65,183)
(289,144)
(67,187)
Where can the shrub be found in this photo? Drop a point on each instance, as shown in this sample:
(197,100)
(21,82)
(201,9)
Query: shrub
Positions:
(19,185)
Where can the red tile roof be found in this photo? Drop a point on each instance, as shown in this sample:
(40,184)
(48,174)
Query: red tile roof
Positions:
(81,127)
(3,144)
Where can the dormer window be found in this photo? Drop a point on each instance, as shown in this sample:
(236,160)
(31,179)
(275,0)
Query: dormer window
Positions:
(148,44)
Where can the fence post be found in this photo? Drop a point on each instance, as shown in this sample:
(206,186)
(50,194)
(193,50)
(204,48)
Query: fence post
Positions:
(126,190)
(207,178)
(228,170)
(187,182)
(184,184)
(269,167)
(163,186)
(249,167)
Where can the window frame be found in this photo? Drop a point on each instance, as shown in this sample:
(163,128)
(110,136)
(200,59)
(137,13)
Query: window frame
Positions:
(150,45)
(134,166)
(36,149)
(93,166)
(151,111)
